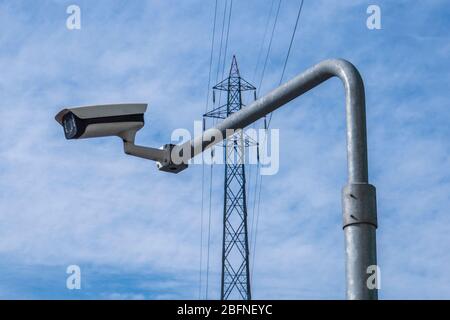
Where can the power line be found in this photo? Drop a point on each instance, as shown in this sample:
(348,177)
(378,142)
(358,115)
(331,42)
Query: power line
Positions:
(219,61)
(257,202)
(203,165)
(209,229)
(221,40)
(226,46)
(266,29)
(252,228)
(256,225)
(270,46)
(257,187)
(211,168)
(292,40)
(201,234)
(211,57)
(266,128)
(226,41)
(289,50)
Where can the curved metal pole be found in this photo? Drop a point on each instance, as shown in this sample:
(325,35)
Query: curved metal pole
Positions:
(358,197)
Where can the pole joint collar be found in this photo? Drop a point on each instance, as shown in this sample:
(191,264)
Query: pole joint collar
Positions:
(359,204)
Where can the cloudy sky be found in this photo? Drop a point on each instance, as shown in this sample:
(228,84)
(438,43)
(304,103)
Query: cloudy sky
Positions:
(134,231)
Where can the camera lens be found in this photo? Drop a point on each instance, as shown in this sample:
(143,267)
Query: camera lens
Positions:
(70,126)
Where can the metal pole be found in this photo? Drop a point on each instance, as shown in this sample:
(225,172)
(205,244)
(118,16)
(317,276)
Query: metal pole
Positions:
(358,196)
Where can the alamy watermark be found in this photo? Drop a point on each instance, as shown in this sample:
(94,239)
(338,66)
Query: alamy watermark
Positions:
(373,22)
(73,281)
(249,146)
(73,21)
(374,279)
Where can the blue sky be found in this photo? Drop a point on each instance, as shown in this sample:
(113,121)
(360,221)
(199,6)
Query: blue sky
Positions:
(134,231)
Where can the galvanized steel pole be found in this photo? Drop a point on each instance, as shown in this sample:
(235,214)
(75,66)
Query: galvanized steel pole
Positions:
(358,196)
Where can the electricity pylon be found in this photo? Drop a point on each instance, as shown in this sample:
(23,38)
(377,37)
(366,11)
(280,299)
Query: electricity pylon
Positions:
(235,248)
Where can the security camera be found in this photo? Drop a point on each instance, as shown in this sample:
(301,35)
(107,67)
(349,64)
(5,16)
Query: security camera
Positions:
(121,120)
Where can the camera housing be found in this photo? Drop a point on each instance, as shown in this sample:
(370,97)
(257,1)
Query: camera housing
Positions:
(122,120)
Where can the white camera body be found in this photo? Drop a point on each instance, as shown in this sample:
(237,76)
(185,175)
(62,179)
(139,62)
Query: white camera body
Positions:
(122,120)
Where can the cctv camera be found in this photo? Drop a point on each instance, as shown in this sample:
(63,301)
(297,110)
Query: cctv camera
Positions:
(122,120)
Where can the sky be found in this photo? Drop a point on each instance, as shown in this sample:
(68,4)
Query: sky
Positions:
(135,231)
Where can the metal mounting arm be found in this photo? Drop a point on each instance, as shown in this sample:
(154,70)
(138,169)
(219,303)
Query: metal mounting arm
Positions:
(154,154)
(358,197)
(162,156)
(355,108)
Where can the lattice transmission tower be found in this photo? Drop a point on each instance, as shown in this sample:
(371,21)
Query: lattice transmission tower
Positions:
(235,247)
